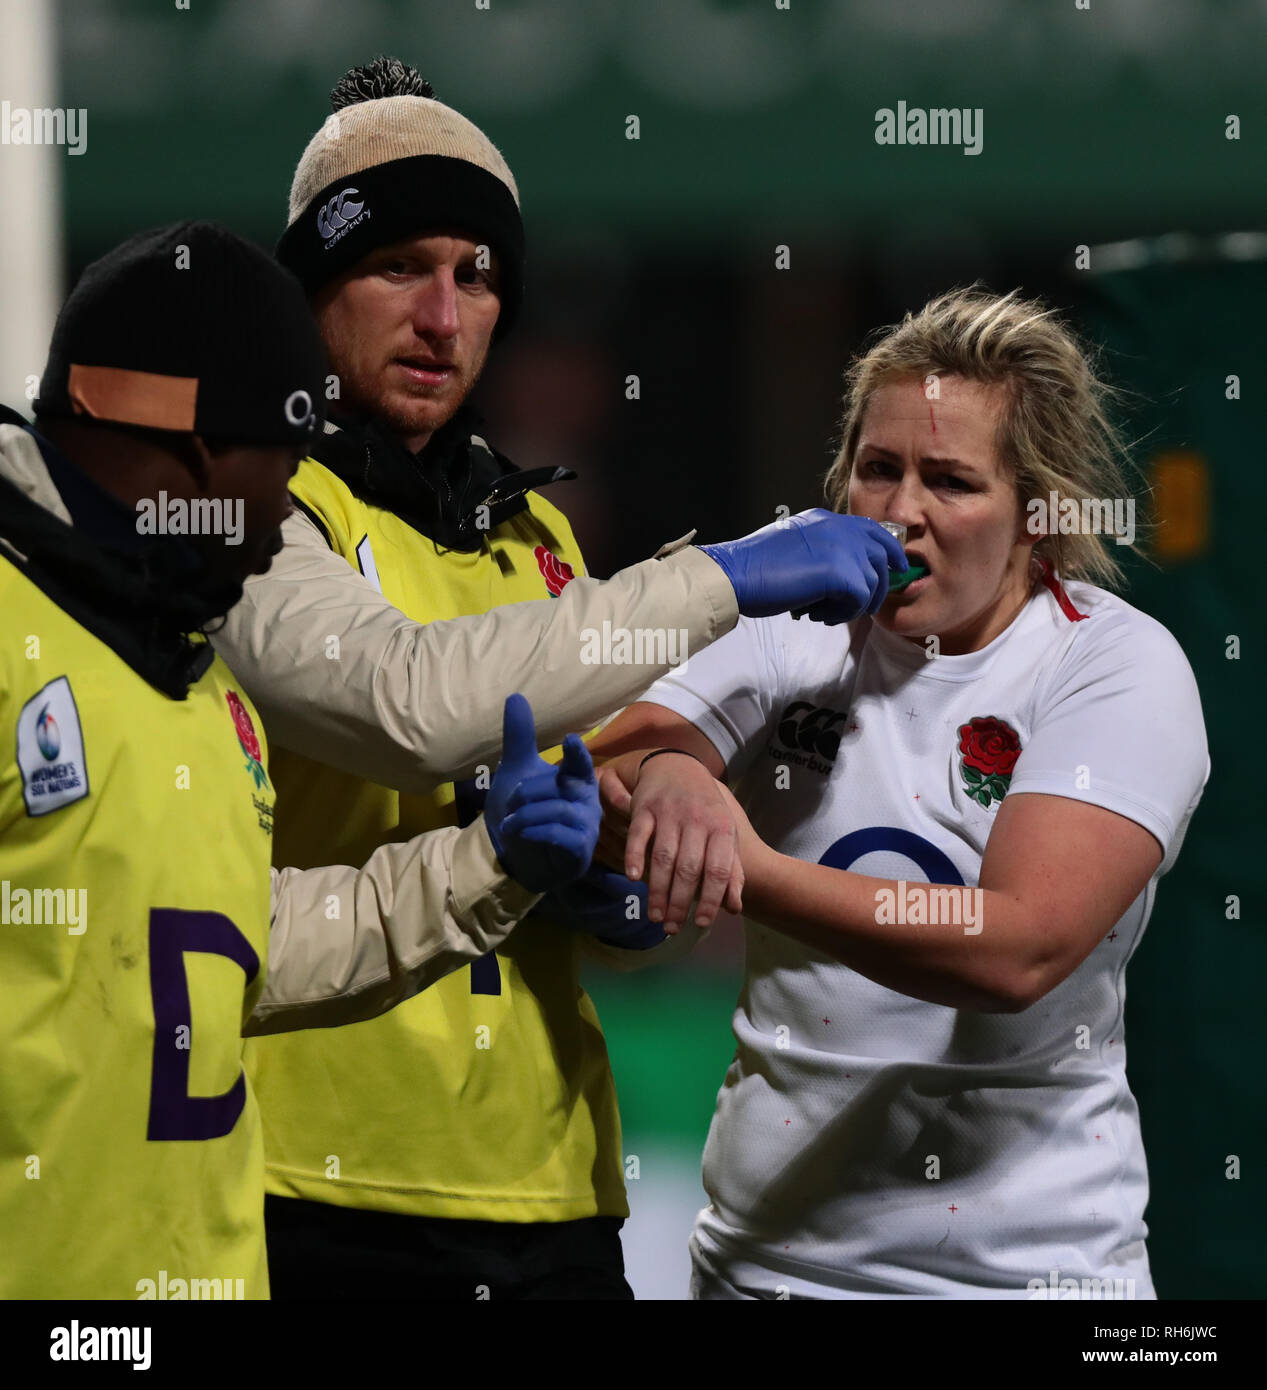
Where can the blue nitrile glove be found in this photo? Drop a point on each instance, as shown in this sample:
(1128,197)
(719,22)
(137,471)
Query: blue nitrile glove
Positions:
(543,820)
(834,566)
(599,905)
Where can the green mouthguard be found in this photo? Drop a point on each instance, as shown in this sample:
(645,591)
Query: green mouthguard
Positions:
(897,581)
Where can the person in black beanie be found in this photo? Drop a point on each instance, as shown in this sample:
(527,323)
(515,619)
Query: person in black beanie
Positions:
(143,930)
(183,367)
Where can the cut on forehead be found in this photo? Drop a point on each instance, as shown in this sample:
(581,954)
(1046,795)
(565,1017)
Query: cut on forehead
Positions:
(952,408)
(947,391)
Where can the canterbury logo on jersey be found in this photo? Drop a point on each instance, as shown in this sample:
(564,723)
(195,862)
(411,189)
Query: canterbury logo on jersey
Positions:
(812,730)
(340,215)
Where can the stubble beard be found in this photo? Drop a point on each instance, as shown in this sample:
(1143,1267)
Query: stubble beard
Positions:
(400,412)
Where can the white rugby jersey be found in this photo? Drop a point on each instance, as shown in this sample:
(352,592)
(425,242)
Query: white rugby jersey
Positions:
(818,1159)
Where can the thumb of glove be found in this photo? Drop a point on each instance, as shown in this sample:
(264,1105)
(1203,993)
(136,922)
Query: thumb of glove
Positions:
(578,766)
(519,735)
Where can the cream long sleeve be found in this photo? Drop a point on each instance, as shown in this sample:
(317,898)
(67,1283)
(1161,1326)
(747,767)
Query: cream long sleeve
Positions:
(348,944)
(413,705)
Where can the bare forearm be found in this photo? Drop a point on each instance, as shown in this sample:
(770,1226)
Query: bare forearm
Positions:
(984,960)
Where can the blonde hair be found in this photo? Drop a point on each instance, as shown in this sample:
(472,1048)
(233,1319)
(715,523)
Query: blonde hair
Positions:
(1054,434)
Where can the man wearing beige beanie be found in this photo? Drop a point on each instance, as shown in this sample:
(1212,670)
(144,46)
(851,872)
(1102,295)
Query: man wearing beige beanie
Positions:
(468,1145)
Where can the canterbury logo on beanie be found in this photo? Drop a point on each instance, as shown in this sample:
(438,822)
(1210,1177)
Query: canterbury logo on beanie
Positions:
(339,215)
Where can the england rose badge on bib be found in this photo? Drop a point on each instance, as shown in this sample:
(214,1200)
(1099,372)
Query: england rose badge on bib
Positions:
(51,750)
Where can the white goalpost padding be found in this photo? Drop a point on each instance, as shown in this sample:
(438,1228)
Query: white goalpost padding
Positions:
(30,176)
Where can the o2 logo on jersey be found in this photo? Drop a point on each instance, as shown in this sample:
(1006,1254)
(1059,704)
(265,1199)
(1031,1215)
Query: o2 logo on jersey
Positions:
(47,734)
(890,839)
(810,729)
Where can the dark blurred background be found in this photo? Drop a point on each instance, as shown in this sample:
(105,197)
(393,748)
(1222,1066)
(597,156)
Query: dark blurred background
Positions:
(1104,128)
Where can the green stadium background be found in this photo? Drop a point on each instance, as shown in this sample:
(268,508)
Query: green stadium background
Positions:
(1106,128)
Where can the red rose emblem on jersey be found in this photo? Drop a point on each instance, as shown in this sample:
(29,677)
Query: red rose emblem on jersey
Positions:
(988,750)
(246,737)
(556,573)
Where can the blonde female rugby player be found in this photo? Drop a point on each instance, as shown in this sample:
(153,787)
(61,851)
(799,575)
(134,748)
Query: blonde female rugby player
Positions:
(929,1095)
